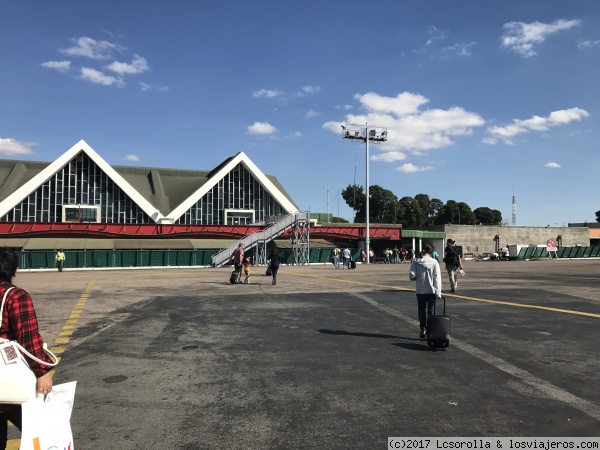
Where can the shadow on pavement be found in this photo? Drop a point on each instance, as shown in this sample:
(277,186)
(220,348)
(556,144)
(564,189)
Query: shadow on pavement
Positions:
(414,344)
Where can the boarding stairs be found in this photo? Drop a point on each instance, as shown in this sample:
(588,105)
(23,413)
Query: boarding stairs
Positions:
(299,223)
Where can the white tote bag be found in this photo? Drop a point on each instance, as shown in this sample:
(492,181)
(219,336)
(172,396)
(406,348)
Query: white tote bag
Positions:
(47,422)
(17,381)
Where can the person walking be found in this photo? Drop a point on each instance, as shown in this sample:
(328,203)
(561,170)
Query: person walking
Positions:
(246,264)
(19,323)
(60,259)
(336,258)
(346,254)
(237,259)
(426,272)
(386,256)
(453,263)
(274,264)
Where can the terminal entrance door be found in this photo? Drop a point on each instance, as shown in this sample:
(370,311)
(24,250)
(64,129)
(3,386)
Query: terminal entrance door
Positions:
(239,217)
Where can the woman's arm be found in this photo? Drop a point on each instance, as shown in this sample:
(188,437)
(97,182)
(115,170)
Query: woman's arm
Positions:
(24,329)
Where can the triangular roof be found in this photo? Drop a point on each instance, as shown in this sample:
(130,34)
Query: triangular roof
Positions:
(222,170)
(179,188)
(30,186)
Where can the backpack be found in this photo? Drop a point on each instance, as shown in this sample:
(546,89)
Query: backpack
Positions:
(452,257)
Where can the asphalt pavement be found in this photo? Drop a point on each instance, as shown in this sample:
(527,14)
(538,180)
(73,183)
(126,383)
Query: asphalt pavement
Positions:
(326,359)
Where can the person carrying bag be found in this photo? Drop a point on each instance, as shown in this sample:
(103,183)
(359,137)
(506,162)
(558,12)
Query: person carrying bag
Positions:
(19,327)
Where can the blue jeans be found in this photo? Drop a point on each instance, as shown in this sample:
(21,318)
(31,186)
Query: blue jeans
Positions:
(274,269)
(426,303)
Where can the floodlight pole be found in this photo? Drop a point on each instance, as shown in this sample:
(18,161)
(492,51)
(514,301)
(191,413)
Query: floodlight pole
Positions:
(377,137)
(367,234)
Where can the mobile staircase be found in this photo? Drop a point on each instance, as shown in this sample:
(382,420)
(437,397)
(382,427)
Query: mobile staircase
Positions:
(259,240)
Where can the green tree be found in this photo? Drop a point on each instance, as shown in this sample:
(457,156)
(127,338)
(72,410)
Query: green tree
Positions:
(354,196)
(465,215)
(382,205)
(449,214)
(487,216)
(597,216)
(434,211)
(497,217)
(424,204)
(484,216)
(411,213)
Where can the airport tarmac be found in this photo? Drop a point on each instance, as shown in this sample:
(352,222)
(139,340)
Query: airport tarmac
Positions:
(326,359)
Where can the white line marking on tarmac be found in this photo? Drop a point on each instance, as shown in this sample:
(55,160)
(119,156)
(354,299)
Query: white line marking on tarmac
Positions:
(544,387)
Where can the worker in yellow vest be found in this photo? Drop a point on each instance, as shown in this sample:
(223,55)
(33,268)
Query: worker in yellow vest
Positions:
(60,260)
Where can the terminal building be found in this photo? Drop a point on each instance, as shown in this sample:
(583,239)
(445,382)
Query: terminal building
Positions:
(80,196)
(80,186)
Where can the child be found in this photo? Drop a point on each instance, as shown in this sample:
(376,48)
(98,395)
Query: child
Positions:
(246,264)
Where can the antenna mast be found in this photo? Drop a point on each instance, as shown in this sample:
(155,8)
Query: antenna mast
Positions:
(514,209)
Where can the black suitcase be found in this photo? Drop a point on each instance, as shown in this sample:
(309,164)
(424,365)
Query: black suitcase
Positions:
(235,277)
(438,330)
(269,272)
(352,264)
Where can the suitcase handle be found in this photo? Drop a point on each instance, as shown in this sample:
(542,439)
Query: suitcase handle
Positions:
(443,298)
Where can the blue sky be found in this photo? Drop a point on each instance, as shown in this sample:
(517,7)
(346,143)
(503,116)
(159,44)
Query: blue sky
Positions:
(481,100)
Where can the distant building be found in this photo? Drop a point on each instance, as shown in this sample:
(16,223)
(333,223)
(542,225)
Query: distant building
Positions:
(80,186)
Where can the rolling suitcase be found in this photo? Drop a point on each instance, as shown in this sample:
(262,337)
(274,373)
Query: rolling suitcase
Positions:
(438,330)
(269,272)
(352,264)
(235,277)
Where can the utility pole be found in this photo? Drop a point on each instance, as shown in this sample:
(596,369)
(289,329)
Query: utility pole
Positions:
(365,134)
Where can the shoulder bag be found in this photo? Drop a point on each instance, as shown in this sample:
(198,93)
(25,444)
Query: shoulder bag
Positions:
(17,382)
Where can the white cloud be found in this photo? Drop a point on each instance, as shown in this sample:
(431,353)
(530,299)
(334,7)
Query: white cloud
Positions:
(14,147)
(536,123)
(311,114)
(268,93)
(152,87)
(297,134)
(409,127)
(411,168)
(553,165)
(389,157)
(435,34)
(97,77)
(587,44)
(306,90)
(138,65)
(61,66)
(90,48)
(261,128)
(403,104)
(132,158)
(521,38)
(460,49)
(344,107)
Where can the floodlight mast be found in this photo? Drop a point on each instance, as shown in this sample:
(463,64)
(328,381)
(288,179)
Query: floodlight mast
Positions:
(375,134)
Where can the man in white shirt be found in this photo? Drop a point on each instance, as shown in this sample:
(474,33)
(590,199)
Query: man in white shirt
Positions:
(426,272)
(346,254)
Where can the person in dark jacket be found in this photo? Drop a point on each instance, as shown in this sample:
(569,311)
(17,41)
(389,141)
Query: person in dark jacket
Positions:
(453,263)
(274,264)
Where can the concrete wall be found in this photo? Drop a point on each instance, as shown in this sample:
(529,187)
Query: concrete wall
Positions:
(479,239)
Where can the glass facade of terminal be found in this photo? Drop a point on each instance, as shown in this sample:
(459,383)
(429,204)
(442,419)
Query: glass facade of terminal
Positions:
(238,192)
(80,182)
(82,192)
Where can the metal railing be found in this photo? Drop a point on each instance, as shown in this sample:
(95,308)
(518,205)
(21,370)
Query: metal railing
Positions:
(259,240)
